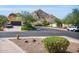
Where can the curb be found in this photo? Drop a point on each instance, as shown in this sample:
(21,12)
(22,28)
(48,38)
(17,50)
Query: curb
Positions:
(69,38)
(60,29)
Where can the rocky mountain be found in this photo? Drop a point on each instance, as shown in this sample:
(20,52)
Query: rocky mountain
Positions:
(41,16)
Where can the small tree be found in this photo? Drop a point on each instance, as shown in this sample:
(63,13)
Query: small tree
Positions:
(3,20)
(72,18)
(27,17)
(45,23)
(27,21)
(58,22)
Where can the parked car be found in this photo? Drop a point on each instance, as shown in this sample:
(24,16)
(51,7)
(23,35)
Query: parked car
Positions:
(73,28)
(9,26)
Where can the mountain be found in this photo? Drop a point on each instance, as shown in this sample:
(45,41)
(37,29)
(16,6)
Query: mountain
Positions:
(40,16)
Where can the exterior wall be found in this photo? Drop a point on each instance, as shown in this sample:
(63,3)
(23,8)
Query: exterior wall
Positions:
(14,19)
(66,25)
(53,25)
(11,17)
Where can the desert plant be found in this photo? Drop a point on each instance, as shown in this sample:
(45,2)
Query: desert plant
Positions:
(56,44)
(26,41)
(17,37)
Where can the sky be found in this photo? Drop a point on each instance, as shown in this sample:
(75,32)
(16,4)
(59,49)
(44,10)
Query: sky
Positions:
(59,11)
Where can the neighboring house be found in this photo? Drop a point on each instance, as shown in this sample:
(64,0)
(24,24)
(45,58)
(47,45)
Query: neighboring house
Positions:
(53,25)
(14,20)
(66,25)
(40,16)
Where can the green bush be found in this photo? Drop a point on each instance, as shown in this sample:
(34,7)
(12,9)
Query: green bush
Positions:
(27,27)
(1,29)
(56,44)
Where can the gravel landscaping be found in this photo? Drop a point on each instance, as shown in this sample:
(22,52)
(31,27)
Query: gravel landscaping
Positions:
(35,45)
(31,45)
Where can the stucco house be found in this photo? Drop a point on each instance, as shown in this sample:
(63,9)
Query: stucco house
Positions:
(14,20)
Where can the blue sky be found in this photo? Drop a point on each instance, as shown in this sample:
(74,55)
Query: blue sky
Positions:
(59,11)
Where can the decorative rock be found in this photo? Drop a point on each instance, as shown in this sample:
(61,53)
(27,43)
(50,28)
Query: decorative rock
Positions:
(26,41)
(34,40)
(78,50)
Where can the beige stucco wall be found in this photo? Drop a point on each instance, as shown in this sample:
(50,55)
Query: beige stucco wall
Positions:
(66,25)
(53,25)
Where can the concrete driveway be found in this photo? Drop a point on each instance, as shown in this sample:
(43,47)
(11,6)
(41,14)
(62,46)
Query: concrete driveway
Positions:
(15,28)
(6,46)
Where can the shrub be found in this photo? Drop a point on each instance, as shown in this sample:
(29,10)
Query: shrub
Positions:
(56,44)
(1,28)
(27,27)
(45,23)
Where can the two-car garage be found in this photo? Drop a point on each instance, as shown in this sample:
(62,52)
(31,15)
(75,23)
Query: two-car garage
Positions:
(16,23)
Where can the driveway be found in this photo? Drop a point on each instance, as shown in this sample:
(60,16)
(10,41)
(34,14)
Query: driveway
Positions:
(15,28)
(6,46)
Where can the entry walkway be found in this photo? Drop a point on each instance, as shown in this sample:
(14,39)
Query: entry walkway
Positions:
(7,46)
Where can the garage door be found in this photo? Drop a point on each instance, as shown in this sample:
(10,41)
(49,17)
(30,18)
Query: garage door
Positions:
(16,23)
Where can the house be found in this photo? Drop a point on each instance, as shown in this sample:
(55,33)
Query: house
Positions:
(14,20)
(66,25)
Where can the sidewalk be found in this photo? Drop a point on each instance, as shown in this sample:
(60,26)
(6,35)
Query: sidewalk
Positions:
(60,29)
(71,39)
(7,46)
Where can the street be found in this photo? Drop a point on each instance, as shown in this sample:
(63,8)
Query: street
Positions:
(41,32)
